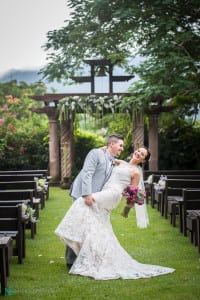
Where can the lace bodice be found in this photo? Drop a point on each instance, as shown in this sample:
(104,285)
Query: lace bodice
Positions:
(120,178)
(111,194)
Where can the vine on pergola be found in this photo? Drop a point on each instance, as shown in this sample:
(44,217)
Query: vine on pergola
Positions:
(95,105)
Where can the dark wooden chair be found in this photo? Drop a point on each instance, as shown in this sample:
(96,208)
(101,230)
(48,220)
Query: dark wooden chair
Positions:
(19,177)
(12,225)
(5,256)
(191,226)
(18,185)
(147,173)
(28,175)
(198,233)
(155,199)
(21,194)
(173,192)
(30,223)
(189,203)
(174,195)
(43,172)
(170,174)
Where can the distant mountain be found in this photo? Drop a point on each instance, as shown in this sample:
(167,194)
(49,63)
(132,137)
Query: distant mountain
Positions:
(29,76)
(32,76)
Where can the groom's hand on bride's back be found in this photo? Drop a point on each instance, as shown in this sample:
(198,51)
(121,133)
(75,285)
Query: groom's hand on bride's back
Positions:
(89,200)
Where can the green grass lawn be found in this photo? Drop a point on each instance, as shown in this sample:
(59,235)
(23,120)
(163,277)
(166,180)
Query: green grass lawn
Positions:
(44,276)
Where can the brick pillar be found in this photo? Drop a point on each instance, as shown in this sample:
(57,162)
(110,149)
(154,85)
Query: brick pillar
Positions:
(153,141)
(54,161)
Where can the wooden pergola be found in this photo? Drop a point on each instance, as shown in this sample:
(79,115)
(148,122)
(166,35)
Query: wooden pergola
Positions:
(61,151)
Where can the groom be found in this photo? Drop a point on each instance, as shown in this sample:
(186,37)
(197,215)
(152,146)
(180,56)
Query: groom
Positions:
(96,171)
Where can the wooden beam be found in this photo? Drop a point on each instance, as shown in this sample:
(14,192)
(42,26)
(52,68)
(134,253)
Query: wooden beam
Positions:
(57,97)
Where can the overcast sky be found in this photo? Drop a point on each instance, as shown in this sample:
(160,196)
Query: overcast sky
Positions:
(23,28)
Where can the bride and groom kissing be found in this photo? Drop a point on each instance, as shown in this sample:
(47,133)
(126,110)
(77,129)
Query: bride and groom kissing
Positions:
(92,247)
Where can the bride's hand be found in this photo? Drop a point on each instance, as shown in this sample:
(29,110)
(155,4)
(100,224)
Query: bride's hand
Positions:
(89,200)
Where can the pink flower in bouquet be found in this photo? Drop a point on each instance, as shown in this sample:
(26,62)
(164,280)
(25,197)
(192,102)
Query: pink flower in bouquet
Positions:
(133,195)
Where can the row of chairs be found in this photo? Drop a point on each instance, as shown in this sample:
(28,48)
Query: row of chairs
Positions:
(178,196)
(20,202)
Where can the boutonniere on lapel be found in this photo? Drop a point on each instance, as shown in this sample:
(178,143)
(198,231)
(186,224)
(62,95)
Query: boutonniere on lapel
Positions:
(112,159)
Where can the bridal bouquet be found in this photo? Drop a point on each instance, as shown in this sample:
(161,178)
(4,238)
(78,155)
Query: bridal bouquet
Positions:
(133,195)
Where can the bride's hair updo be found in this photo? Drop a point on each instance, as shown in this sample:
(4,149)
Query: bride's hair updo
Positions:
(147,158)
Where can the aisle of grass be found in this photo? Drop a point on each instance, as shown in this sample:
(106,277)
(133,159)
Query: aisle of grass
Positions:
(43,274)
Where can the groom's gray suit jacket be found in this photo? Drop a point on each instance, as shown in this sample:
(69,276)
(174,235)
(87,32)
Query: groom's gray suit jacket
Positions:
(95,172)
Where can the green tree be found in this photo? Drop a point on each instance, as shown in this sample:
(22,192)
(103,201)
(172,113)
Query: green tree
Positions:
(23,134)
(165,33)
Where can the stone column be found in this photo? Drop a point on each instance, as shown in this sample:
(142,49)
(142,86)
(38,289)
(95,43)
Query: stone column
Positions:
(67,146)
(54,158)
(153,141)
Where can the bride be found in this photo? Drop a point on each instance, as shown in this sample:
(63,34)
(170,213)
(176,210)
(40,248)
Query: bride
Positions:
(88,230)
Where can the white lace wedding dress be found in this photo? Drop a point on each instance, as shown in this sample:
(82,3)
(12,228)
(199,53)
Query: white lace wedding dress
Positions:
(88,231)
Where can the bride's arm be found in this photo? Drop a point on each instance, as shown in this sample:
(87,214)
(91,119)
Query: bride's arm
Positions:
(135,178)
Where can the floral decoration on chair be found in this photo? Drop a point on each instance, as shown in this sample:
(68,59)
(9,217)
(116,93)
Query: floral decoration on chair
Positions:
(160,186)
